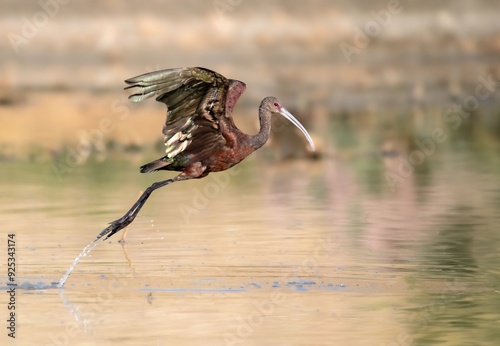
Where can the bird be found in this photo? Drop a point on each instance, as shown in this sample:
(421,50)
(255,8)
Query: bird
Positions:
(200,134)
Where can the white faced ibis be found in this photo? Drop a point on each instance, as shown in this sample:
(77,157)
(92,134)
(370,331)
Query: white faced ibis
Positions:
(200,135)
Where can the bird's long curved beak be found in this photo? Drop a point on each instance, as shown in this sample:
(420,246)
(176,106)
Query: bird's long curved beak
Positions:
(294,121)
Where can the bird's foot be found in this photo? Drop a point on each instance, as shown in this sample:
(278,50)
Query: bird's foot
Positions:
(114,227)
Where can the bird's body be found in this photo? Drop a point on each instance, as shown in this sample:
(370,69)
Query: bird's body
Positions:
(200,134)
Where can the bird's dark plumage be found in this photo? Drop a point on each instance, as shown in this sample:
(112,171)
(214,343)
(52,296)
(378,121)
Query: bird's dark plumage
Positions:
(196,101)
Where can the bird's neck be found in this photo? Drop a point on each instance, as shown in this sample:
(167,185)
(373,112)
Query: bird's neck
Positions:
(261,138)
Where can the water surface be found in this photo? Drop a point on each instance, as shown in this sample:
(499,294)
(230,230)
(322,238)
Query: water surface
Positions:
(299,253)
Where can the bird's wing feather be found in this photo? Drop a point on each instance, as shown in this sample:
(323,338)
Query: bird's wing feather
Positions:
(195,99)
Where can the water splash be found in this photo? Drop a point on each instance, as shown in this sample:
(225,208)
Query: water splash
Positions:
(84,253)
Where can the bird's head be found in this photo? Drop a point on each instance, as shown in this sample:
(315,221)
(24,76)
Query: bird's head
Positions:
(272,105)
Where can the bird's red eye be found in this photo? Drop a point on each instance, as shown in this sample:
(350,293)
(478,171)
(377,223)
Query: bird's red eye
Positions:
(277,105)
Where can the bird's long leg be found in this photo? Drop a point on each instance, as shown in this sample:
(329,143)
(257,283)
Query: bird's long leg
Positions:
(124,234)
(130,215)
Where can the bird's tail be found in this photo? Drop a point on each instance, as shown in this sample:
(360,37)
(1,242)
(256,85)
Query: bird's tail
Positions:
(155,165)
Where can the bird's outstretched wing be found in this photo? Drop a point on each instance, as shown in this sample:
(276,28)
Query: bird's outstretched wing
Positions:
(195,99)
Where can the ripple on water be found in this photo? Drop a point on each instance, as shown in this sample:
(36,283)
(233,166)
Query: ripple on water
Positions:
(28,286)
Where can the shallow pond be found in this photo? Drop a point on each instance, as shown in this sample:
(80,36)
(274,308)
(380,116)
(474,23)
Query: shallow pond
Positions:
(323,252)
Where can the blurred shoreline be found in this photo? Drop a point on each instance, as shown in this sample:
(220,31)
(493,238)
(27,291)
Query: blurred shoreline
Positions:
(67,76)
